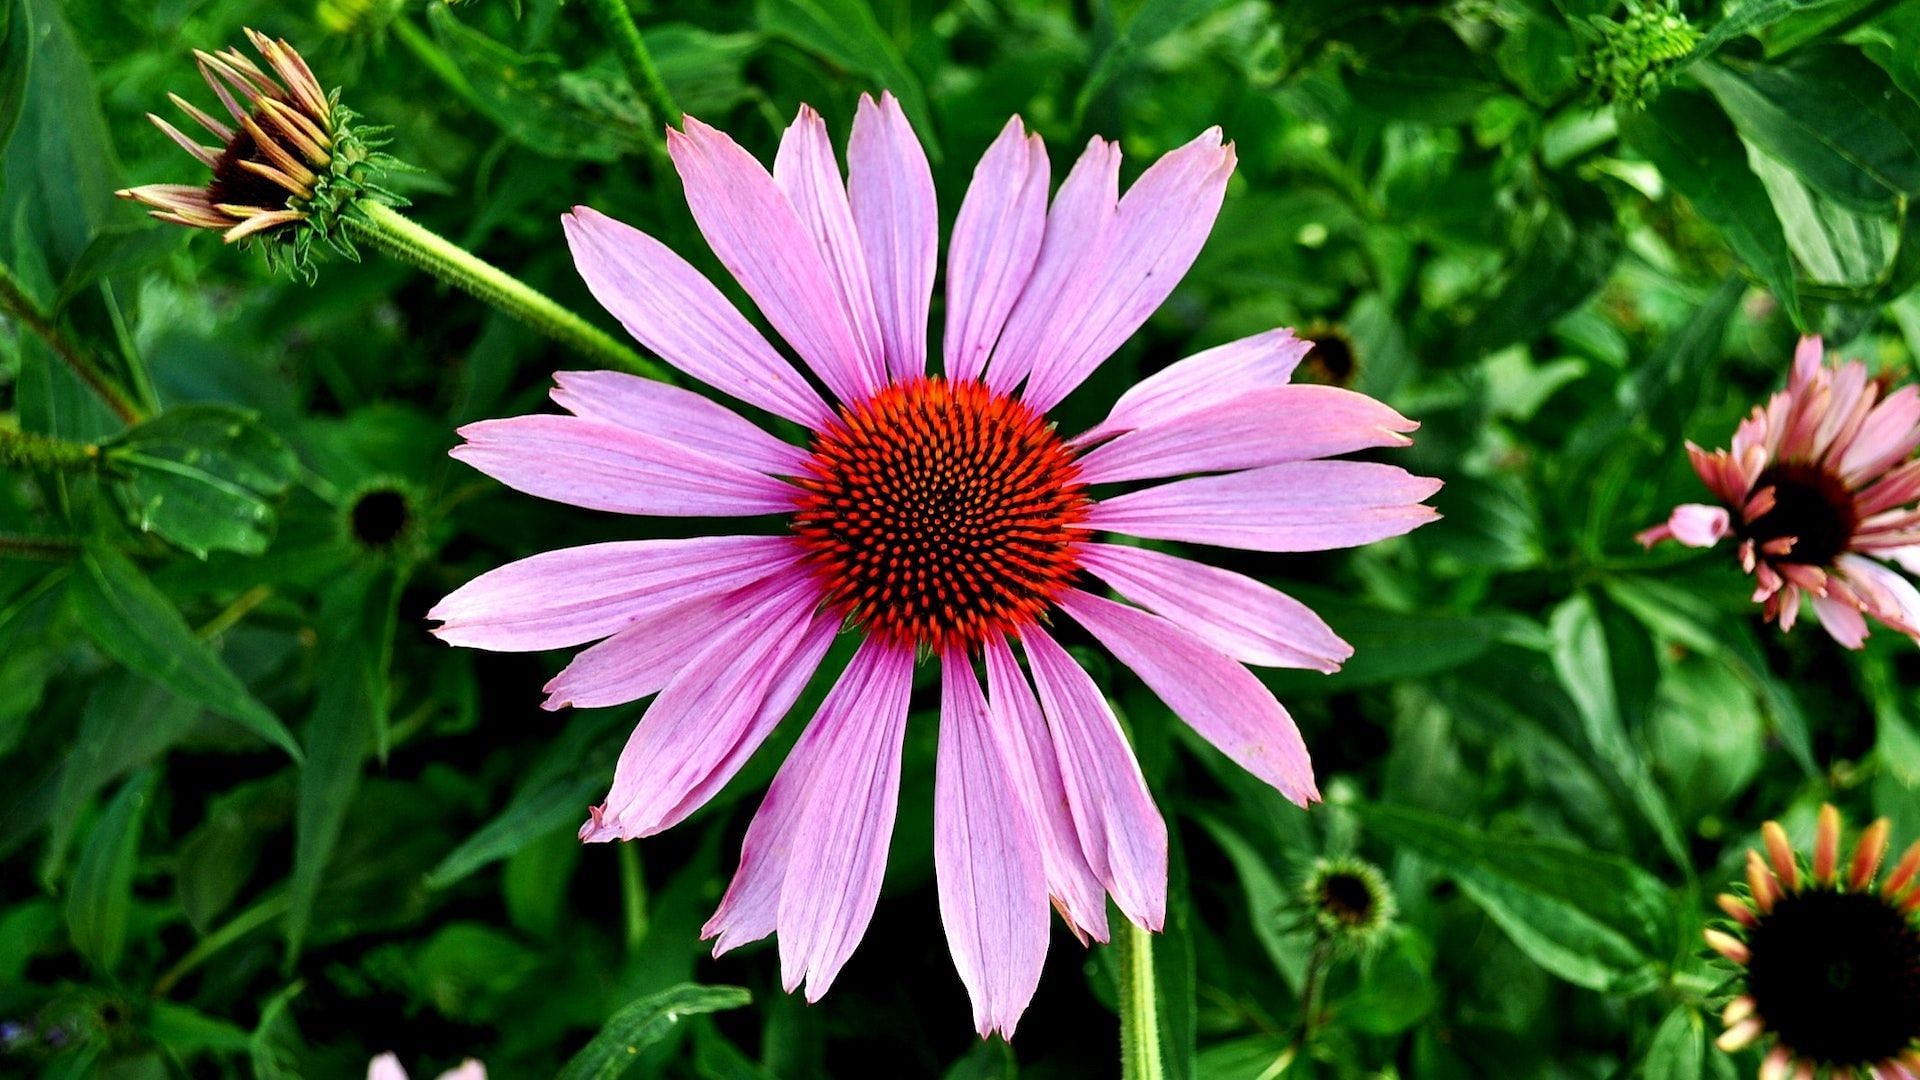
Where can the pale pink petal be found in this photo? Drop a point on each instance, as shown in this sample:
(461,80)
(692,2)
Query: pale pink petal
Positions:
(807,173)
(1807,356)
(1888,595)
(1076,224)
(995,241)
(641,659)
(386,1067)
(605,467)
(754,231)
(1257,427)
(1248,620)
(709,718)
(1907,557)
(993,889)
(1213,377)
(1298,506)
(1890,434)
(1215,695)
(1017,720)
(676,415)
(670,308)
(561,598)
(1697,525)
(1121,832)
(466,1070)
(893,205)
(1154,237)
(839,853)
(1842,620)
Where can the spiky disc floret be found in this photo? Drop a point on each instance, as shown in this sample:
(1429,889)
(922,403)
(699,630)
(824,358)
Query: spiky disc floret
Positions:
(1349,901)
(1831,965)
(291,167)
(938,513)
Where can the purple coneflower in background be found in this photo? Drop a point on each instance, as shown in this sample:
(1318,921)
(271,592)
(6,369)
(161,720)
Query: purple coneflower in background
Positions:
(1816,491)
(936,515)
(388,1067)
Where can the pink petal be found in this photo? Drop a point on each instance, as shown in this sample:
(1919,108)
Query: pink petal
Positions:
(641,659)
(993,890)
(671,309)
(807,173)
(710,717)
(562,598)
(995,241)
(1842,620)
(1248,620)
(1889,596)
(1697,525)
(1213,377)
(604,467)
(1154,237)
(1298,506)
(1807,356)
(1078,219)
(893,205)
(1890,434)
(1036,772)
(1215,696)
(754,231)
(466,1070)
(677,416)
(840,849)
(1121,832)
(1257,427)
(386,1067)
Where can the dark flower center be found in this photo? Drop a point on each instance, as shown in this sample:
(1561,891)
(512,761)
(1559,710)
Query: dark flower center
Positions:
(235,186)
(1811,505)
(1332,358)
(1837,976)
(1347,898)
(938,513)
(379,517)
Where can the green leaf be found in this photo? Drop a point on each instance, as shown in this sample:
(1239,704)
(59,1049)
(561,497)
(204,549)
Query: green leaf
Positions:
(202,477)
(59,167)
(1696,149)
(1679,1050)
(135,624)
(100,899)
(1832,116)
(117,250)
(1421,73)
(645,1022)
(16,64)
(1594,920)
(846,33)
(1747,18)
(1562,262)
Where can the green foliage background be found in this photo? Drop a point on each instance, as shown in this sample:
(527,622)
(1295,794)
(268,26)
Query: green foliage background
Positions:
(258,822)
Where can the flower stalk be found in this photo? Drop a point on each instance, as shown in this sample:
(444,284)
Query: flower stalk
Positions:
(1140,1053)
(15,302)
(45,453)
(395,234)
(617,21)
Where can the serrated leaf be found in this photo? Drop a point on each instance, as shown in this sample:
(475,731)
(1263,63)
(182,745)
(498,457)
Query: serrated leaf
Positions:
(203,477)
(645,1022)
(134,623)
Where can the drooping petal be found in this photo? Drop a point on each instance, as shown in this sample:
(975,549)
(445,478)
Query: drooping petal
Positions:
(1888,595)
(1122,834)
(1078,219)
(604,467)
(893,205)
(1215,695)
(993,889)
(679,416)
(1698,525)
(1076,891)
(995,241)
(839,852)
(1890,434)
(1213,377)
(806,171)
(562,598)
(1842,620)
(754,231)
(709,718)
(1153,238)
(1248,620)
(1297,506)
(1255,428)
(671,309)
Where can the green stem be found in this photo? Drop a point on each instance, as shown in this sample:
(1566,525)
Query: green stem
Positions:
(1310,989)
(391,232)
(1140,1057)
(47,548)
(14,301)
(44,453)
(241,925)
(617,22)
(633,895)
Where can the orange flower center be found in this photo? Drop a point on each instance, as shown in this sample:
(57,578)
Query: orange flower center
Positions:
(937,513)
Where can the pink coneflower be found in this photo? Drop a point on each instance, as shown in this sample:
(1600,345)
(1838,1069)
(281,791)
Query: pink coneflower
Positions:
(1818,488)
(388,1067)
(1830,966)
(930,515)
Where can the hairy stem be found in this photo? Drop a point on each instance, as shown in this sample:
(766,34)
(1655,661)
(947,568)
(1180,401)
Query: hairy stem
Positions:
(404,239)
(1140,1054)
(45,453)
(617,22)
(15,302)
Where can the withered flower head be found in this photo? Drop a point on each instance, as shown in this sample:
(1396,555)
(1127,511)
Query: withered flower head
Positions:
(289,167)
